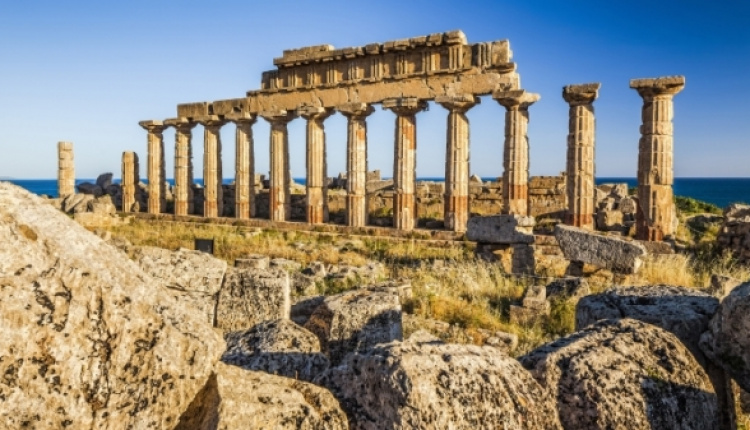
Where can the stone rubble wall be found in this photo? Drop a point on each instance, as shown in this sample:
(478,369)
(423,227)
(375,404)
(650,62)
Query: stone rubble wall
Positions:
(735,232)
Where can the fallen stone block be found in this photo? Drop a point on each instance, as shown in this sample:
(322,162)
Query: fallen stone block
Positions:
(250,296)
(608,252)
(501,229)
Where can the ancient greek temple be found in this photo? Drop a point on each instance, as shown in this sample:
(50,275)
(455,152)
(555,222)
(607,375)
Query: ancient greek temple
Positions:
(314,82)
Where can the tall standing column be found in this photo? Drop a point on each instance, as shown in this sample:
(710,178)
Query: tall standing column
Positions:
(213,203)
(405,159)
(279,199)
(317,204)
(129,181)
(183,165)
(356,162)
(66,171)
(656,215)
(156,186)
(516,149)
(244,166)
(456,209)
(579,167)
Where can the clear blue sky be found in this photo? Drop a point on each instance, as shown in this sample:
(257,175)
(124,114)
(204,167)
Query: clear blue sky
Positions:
(88,71)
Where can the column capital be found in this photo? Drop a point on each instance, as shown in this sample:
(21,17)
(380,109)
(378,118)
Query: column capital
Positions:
(515,99)
(358,110)
(153,126)
(180,124)
(278,116)
(581,94)
(666,85)
(405,105)
(243,118)
(210,120)
(460,103)
(314,112)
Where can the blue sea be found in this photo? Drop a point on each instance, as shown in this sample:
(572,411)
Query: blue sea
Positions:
(719,191)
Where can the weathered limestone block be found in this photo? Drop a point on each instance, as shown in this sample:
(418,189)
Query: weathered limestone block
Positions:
(238,399)
(66,173)
(101,205)
(280,347)
(608,252)
(304,307)
(429,385)
(501,229)
(624,374)
(88,339)
(356,320)
(197,275)
(726,342)
(252,261)
(250,296)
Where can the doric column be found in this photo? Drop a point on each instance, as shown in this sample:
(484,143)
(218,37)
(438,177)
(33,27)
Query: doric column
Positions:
(356,162)
(656,214)
(516,149)
(130,180)
(317,205)
(156,168)
(66,171)
(579,166)
(244,165)
(279,199)
(456,212)
(213,195)
(183,165)
(405,159)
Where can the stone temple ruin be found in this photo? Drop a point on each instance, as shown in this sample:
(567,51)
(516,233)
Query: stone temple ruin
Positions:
(402,76)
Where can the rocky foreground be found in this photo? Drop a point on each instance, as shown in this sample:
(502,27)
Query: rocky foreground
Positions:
(93,336)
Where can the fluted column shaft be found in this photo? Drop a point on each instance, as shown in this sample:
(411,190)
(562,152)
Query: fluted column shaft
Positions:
(244,181)
(580,169)
(66,173)
(356,162)
(213,197)
(656,216)
(130,180)
(405,160)
(317,205)
(183,165)
(456,199)
(280,207)
(156,167)
(516,150)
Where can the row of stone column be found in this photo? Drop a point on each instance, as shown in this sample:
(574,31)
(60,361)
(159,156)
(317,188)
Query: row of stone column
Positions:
(404,171)
(656,214)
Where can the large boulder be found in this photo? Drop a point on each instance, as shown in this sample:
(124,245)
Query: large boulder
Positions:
(280,347)
(196,275)
(356,320)
(609,252)
(250,296)
(501,229)
(237,399)
(624,374)
(727,340)
(87,339)
(430,385)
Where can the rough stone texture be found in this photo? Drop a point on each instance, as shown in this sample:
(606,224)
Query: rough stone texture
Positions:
(244,166)
(656,216)
(726,342)
(429,385)
(130,179)
(250,296)
(101,205)
(722,286)
(88,339)
(501,229)
(89,188)
(568,288)
(196,275)
(356,162)
(303,308)
(183,166)
(580,156)
(252,261)
(608,252)
(356,320)
(213,195)
(238,399)
(104,180)
(315,185)
(735,232)
(66,172)
(156,166)
(624,374)
(280,347)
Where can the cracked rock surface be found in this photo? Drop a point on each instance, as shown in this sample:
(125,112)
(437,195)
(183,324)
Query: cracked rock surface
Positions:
(87,339)
(624,374)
